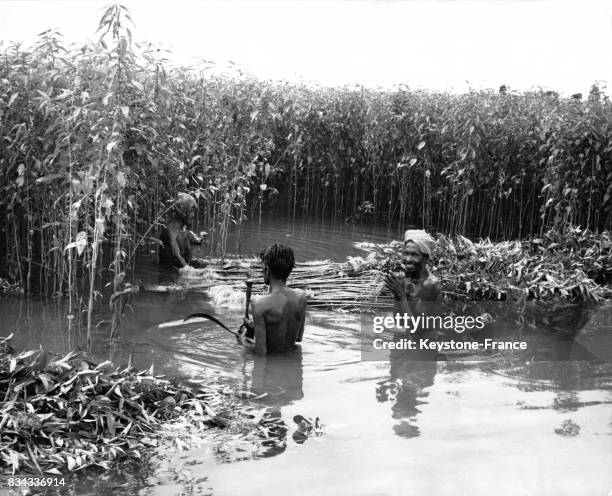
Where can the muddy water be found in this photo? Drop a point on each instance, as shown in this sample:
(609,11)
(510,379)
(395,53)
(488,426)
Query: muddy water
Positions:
(513,426)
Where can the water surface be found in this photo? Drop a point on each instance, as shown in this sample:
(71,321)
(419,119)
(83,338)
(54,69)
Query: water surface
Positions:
(501,425)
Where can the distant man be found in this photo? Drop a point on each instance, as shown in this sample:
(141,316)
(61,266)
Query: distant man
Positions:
(278,317)
(417,285)
(176,238)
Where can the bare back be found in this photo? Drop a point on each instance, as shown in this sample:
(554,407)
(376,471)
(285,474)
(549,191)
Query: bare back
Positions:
(279,320)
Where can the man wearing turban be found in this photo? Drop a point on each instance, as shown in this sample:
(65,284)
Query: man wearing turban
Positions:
(176,238)
(417,284)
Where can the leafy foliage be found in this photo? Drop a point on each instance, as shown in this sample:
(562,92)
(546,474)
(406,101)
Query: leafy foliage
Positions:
(571,266)
(96,140)
(70,413)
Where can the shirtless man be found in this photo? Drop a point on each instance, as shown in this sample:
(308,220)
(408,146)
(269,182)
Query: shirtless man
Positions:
(418,285)
(279,316)
(176,237)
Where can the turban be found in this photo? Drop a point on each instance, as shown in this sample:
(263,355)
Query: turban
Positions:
(424,242)
(183,204)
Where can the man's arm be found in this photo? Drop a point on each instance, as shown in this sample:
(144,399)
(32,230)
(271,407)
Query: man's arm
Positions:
(252,343)
(408,301)
(194,239)
(303,302)
(176,252)
(260,330)
(401,304)
(186,244)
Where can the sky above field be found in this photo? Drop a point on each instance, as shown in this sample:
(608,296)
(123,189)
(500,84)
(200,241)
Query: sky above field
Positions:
(557,44)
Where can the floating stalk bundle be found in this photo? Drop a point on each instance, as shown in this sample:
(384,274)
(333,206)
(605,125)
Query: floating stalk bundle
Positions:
(574,266)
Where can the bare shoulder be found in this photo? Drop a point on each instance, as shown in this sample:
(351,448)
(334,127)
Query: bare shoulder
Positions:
(260,304)
(431,281)
(299,295)
(432,289)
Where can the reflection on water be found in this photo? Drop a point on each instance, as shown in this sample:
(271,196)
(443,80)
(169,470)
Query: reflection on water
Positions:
(507,424)
(410,374)
(277,379)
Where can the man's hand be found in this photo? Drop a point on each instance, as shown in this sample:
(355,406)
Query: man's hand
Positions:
(410,288)
(195,239)
(243,332)
(395,285)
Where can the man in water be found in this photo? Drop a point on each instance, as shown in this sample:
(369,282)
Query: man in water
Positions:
(278,317)
(417,285)
(176,238)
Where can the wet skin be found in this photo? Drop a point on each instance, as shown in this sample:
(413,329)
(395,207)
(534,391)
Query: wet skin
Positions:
(417,286)
(278,317)
(178,240)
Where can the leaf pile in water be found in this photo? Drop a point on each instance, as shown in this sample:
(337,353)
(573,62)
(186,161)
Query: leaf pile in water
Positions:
(70,413)
(568,428)
(574,265)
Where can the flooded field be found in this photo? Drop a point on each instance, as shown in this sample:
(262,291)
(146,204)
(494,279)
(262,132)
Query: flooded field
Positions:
(395,426)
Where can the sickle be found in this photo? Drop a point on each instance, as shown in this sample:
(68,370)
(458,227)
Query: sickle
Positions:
(210,317)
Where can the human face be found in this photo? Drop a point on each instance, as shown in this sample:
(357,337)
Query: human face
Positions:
(414,260)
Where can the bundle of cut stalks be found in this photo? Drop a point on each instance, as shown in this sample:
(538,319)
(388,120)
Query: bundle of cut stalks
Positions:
(70,413)
(349,285)
(574,266)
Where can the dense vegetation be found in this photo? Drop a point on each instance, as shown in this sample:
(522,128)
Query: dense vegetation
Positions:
(68,413)
(97,138)
(571,266)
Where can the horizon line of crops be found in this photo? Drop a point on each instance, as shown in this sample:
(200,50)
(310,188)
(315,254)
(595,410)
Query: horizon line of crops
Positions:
(500,165)
(96,139)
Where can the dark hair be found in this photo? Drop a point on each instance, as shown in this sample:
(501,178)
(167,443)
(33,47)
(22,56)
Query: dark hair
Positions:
(279,259)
